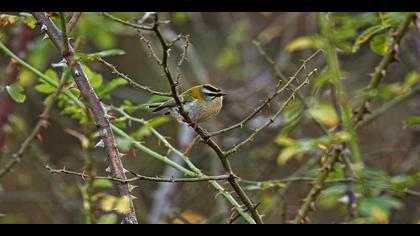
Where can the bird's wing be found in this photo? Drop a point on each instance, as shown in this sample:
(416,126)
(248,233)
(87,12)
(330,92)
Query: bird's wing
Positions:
(168,104)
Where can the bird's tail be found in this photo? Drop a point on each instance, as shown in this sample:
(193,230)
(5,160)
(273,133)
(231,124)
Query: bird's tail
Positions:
(155,107)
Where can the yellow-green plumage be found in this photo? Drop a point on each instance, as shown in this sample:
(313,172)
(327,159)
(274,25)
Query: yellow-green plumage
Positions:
(201,102)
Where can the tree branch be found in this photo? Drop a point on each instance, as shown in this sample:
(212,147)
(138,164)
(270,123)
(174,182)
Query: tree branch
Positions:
(204,134)
(138,177)
(73,21)
(274,117)
(276,93)
(133,25)
(96,107)
(327,168)
(280,76)
(131,81)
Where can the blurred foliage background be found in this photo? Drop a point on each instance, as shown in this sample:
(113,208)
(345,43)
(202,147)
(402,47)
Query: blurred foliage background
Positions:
(222,53)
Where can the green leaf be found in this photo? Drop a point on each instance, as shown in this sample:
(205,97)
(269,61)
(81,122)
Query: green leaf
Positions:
(108,203)
(16,92)
(45,88)
(412,78)
(124,144)
(379,208)
(123,205)
(95,79)
(145,129)
(158,98)
(324,113)
(28,19)
(286,154)
(51,74)
(379,44)
(228,57)
(366,34)
(180,17)
(102,183)
(284,140)
(410,121)
(305,42)
(113,84)
(96,55)
(108,219)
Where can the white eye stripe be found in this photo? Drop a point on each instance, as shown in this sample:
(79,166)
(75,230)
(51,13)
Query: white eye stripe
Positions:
(211,94)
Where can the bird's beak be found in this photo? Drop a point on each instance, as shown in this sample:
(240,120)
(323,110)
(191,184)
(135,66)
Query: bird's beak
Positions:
(222,94)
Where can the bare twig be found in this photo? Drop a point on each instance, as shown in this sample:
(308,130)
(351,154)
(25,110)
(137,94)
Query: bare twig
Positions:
(73,21)
(133,25)
(131,81)
(281,77)
(94,104)
(138,177)
(273,118)
(276,93)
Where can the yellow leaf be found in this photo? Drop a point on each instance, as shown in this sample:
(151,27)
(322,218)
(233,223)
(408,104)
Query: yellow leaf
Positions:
(325,114)
(324,158)
(190,217)
(7,19)
(304,42)
(285,141)
(281,184)
(286,154)
(82,138)
(379,215)
(123,205)
(108,203)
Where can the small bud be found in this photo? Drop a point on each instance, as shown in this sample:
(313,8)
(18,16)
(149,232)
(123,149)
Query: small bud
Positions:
(312,206)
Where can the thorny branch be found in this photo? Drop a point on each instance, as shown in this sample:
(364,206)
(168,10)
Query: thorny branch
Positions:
(131,81)
(281,77)
(268,100)
(86,90)
(204,134)
(316,189)
(274,117)
(138,177)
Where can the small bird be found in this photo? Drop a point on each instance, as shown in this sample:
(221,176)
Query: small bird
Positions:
(201,102)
